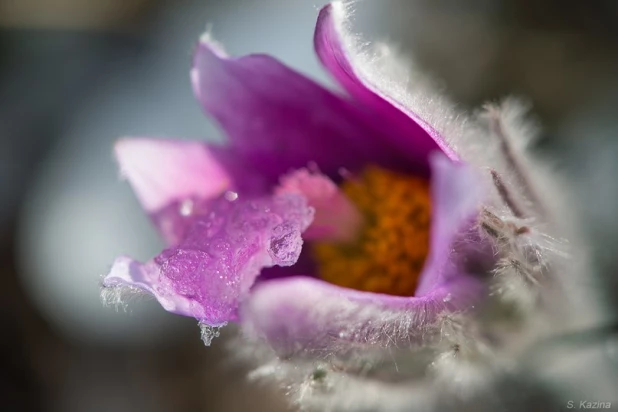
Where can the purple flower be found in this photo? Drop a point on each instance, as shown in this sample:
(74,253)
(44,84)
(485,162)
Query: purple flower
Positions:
(325,218)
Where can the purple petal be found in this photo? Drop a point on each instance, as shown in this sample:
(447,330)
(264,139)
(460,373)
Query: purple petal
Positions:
(212,269)
(303,313)
(164,173)
(147,277)
(278,120)
(417,137)
(457,191)
(310,313)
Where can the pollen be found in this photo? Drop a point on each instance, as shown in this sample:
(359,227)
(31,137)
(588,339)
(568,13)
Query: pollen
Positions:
(388,253)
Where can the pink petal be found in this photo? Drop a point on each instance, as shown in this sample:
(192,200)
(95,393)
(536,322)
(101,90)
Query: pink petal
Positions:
(418,137)
(164,171)
(146,277)
(336,217)
(213,267)
(309,313)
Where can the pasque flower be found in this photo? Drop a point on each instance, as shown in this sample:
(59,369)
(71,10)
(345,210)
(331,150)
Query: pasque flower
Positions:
(327,218)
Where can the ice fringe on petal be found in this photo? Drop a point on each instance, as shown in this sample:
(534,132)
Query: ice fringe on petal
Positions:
(214,266)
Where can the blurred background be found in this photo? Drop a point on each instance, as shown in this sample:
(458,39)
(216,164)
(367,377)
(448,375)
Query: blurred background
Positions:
(77,74)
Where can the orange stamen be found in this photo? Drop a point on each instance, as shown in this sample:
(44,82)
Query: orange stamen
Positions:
(388,254)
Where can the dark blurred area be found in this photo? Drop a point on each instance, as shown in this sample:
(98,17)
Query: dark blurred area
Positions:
(75,75)
(559,54)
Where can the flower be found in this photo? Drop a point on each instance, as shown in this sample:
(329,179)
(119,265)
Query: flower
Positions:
(327,219)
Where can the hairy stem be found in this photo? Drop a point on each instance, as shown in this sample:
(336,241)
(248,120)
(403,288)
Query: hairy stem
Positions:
(510,156)
(506,196)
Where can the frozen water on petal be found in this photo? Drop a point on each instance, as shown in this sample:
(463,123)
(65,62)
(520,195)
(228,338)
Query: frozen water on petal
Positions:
(285,244)
(226,248)
(208,333)
(181,263)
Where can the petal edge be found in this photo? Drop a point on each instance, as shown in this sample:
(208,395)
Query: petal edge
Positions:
(330,48)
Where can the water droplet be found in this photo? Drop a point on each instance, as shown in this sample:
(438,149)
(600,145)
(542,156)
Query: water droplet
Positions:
(447,298)
(230,196)
(186,207)
(220,247)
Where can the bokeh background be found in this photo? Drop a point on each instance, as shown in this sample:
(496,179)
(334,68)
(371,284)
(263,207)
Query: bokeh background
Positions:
(77,74)
(74,77)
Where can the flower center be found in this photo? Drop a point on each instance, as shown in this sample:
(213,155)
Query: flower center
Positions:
(389,250)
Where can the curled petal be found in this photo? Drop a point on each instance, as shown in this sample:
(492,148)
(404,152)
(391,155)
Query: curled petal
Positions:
(211,270)
(456,191)
(278,120)
(307,313)
(146,277)
(336,218)
(418,138)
